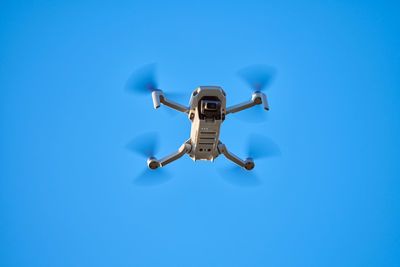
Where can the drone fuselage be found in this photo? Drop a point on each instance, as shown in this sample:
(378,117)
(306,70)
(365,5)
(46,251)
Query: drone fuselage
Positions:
(207,110)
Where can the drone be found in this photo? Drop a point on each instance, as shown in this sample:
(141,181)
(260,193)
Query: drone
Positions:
(206,111)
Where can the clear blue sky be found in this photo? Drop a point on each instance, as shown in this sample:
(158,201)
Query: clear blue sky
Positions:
(68,190)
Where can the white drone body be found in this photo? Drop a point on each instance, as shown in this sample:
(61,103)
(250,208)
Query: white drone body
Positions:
(207,110)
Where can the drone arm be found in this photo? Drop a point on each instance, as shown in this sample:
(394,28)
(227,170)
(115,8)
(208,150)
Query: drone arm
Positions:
(185,148)
(159,98)
(247,164)
(174,105)
(256,99)
(240,107)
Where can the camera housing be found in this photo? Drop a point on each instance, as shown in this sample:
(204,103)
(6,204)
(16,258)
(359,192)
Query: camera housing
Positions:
(210,109)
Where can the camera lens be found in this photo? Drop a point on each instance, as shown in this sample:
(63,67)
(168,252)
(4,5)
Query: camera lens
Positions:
(211,106)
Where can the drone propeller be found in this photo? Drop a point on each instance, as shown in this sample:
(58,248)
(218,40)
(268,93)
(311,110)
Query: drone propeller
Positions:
(146,145)
(143,80)
(258,77)
(254,114)
(238,176)
(150,177)
(258,147)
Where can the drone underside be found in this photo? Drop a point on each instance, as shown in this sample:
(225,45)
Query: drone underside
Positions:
(206,111)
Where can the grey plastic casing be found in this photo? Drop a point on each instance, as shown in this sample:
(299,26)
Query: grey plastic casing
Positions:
(205,133)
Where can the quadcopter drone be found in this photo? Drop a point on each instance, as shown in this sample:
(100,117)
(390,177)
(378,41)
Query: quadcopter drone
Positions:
(206,111)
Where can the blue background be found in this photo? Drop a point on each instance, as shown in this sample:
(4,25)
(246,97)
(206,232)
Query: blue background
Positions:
(69,194)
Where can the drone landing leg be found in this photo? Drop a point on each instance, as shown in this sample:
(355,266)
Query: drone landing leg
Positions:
(153,163)
(248,164)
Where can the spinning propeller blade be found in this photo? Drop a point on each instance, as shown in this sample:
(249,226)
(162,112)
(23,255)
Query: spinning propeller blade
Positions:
(261,147)
(238,176)
(146,145)
(258,77)
(150,177)
(143,80)
(255,114)
(258,147)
